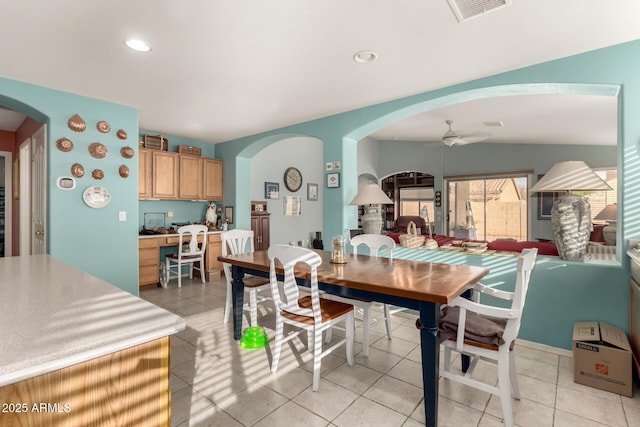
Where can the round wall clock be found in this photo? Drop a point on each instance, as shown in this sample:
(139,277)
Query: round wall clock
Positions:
(292,179)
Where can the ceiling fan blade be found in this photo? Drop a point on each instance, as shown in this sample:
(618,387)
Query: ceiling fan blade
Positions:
(472,139)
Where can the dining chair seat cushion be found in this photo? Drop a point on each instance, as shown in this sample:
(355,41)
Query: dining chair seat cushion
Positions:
(329,310)
(254,281)
(482,329)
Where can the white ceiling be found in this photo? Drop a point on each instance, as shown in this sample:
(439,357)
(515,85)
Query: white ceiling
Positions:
(224,69)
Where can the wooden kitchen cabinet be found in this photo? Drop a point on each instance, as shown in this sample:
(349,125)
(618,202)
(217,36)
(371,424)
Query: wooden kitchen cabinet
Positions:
(260,227)
(149,261)
(127,387)
(173,176)
(190,177)
(214,250)
(212,180)
(165,175)
(144,174)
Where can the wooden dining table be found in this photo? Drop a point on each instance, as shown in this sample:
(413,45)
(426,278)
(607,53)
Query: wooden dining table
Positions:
(416,285)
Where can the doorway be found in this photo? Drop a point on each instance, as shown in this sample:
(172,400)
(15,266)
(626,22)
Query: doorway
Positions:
(6,196)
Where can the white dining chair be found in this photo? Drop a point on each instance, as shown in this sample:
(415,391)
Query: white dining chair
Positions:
(374,242)
(311,314)
(189,253)
(486,332)
(237,242)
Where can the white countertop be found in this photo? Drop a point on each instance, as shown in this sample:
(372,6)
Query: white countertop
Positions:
(53,316)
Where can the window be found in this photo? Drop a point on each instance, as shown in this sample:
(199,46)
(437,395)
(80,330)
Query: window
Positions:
(413,200)
(489,207)
(600,199)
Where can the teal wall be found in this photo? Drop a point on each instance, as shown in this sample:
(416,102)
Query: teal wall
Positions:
(561,292)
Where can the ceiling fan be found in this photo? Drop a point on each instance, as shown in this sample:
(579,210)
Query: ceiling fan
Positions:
(451,138)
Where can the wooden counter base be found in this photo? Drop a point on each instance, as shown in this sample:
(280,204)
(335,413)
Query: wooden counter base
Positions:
(126,388)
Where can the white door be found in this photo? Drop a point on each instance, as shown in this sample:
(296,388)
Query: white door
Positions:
(39,192)
(24,191)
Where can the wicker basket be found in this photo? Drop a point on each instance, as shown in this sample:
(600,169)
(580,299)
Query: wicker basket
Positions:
(412,239)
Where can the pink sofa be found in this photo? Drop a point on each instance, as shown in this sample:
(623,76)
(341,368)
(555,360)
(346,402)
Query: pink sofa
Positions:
(544,248)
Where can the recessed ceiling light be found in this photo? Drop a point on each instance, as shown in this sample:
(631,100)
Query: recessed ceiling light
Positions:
(137,44)
(365,56)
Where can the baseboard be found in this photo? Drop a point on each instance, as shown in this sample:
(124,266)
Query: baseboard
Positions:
(545,348)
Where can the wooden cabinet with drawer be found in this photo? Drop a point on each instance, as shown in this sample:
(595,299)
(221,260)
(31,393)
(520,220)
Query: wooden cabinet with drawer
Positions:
(214,250)
(149,261)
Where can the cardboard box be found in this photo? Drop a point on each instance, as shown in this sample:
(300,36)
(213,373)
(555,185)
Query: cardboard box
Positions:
(602,357)
(213,275)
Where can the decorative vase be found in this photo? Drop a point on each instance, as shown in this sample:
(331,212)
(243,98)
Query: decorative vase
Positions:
(571,225)
(371,220)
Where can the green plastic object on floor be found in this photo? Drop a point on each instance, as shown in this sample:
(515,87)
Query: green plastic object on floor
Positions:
(254,337)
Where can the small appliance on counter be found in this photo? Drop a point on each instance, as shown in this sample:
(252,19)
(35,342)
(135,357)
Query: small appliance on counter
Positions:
(176,225)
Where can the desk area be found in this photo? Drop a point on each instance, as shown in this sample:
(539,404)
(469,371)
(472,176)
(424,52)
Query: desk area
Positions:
(149,255)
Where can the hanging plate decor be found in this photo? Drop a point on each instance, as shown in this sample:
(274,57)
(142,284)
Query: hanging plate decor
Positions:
(96,197)
(63,144)
(76,123)
(121,134)
(126,152)
(103,127)
(77,170)
(123,170)
(97,150)
(97,174)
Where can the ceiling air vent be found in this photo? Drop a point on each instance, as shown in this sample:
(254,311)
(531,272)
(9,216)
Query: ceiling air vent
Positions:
(467,9)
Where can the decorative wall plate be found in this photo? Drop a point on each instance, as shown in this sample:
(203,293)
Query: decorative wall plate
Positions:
(64,144)
(121,134)
(97,174)
(103,127)
(96,197)
(123,170)
(76,123)
(77,170)
(97,150)
(126,152)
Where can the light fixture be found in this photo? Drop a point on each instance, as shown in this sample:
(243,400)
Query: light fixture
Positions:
(371,197)
(609,214)
(570,213)
(365,56)
(138,45)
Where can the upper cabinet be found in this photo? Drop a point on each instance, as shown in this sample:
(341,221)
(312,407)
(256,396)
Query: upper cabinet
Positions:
(144,174)
(190,177)
(173,176)
(212,179)
(164,175)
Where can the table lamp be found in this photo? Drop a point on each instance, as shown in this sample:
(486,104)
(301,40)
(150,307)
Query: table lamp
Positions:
(609,214)
(371,196)
(571,213)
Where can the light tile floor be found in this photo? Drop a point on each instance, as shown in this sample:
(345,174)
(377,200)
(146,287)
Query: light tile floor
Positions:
(214,382)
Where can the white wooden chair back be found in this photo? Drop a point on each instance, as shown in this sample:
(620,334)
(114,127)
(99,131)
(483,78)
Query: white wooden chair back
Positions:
(289,256)
(374,242)
(192,248)
(235,242)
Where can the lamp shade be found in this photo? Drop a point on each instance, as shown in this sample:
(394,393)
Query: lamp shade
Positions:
(371,194)
(609,213)
(573,175)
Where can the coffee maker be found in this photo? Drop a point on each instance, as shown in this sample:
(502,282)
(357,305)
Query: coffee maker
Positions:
(317,242)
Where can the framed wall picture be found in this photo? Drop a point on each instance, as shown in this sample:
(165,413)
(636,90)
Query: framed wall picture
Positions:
(545,203)
(271,190)
(312,192)
(292,205)
(333,180)
(228,214)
